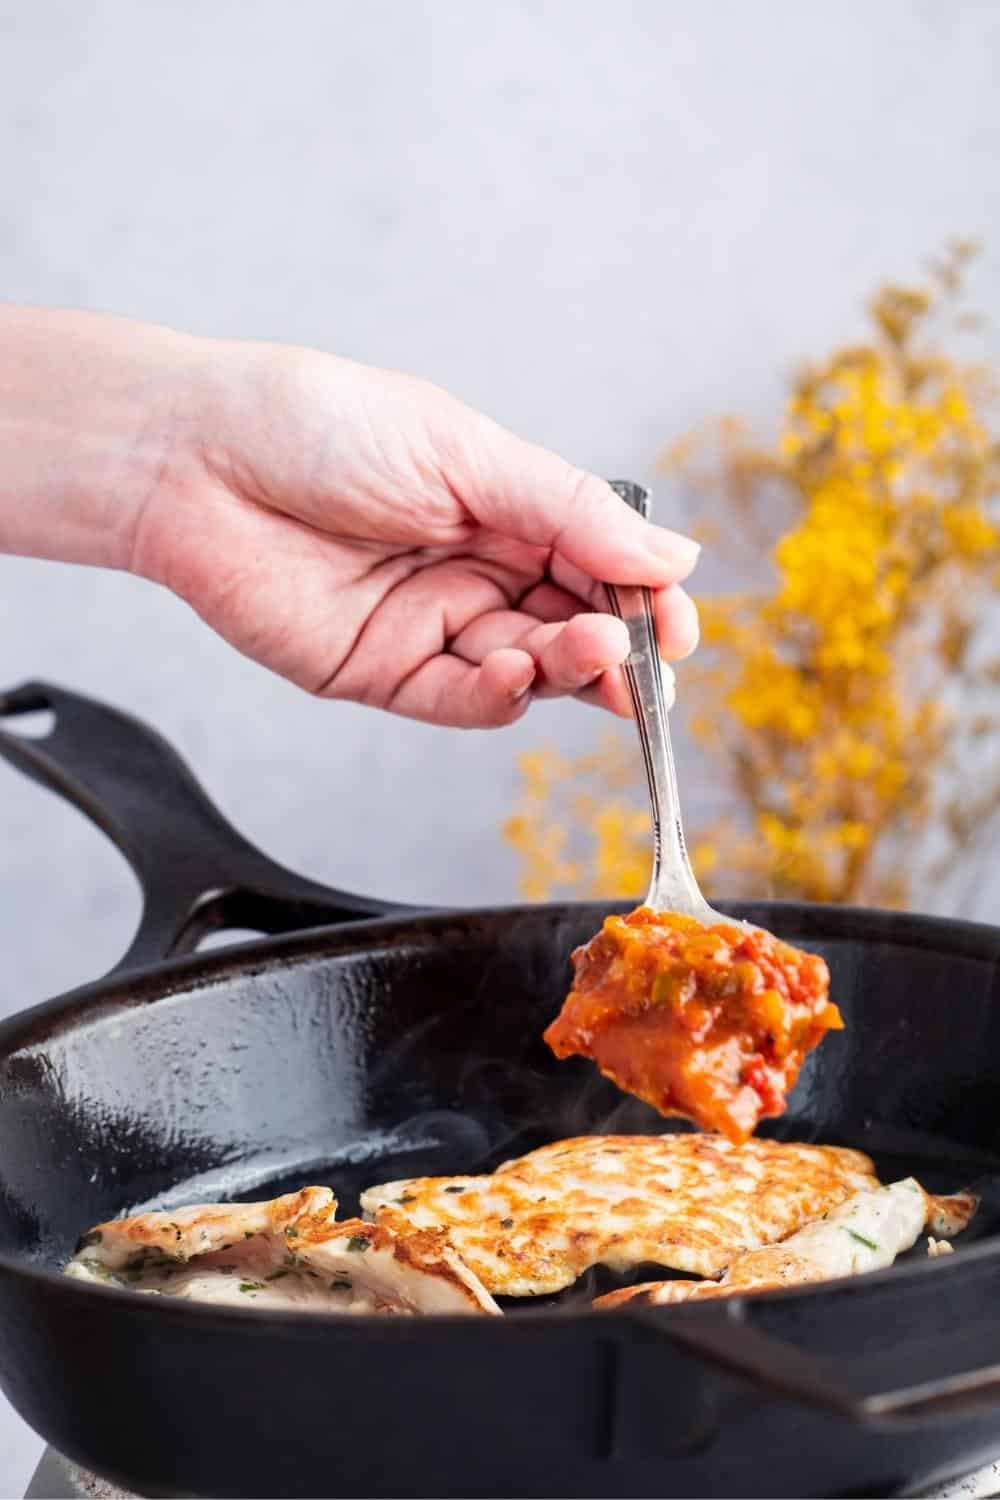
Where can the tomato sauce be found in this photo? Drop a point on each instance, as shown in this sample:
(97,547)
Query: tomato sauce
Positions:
(711,1023)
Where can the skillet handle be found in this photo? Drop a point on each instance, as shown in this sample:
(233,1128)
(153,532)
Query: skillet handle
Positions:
(954,1375)
(197,873)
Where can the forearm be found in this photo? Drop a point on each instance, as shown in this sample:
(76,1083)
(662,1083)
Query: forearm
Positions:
(89,412)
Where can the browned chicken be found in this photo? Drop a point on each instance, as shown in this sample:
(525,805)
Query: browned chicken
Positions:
(688,1202)
(287,1253)
(865,1233)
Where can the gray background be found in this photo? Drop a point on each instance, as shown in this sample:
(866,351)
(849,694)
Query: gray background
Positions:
(601,223)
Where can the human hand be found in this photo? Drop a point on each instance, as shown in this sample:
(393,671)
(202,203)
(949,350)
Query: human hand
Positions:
(369,537)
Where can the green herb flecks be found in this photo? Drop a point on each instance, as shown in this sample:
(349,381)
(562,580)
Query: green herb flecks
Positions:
(358,1242)
(454,1189)
(251,1286)
(869,1244)
(151,1257)
(277,1275)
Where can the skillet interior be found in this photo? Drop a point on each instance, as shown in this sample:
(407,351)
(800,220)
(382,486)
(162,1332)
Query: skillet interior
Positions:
(405,1047)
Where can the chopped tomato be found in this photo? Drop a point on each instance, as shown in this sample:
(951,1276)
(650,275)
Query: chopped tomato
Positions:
(711,1023)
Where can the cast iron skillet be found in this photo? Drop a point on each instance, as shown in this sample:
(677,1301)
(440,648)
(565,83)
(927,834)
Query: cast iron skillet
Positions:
(394,1043)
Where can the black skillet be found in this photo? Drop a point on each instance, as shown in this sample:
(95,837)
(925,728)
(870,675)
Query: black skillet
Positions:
(393,1043)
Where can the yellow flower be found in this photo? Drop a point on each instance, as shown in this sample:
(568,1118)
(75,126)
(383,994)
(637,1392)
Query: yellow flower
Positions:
(971,533)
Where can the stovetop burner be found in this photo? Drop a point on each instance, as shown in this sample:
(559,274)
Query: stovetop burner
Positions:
(58,1479)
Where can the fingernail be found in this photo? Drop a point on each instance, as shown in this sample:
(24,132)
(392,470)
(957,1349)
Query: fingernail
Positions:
(522,692)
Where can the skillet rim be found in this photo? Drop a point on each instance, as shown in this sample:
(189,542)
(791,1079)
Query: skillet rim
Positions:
(977,940)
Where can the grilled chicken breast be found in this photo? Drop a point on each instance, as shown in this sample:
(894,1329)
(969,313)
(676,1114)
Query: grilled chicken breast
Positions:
(689,1202)
(286,1253)
(184,1233)
(865,1233)
(409,1272)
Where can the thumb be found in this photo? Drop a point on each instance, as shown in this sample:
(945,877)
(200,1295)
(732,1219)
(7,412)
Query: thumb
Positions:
(534,496)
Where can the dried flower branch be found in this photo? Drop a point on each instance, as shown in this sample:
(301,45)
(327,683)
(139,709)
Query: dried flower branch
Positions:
(847,704)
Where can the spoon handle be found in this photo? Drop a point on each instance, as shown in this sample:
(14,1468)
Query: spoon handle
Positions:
(673,886)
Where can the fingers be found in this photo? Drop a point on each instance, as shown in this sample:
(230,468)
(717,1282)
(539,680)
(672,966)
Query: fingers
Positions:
(526,492)
(438,644)
(567,655)
(571,656)
(457,694)
(611,692)
(547,602)
(676,616)
(580,653)
(677,635)
(674,611)
(464,695)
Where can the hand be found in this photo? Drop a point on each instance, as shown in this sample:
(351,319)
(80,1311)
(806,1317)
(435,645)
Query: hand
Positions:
(367,536)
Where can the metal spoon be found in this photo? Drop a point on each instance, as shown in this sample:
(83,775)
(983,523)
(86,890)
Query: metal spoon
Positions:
(673,887)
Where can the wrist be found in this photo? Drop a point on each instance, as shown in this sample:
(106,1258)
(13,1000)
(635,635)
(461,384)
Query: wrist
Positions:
(91,417)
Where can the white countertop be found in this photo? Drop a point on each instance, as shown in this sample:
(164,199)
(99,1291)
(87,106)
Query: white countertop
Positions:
(20,1451)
